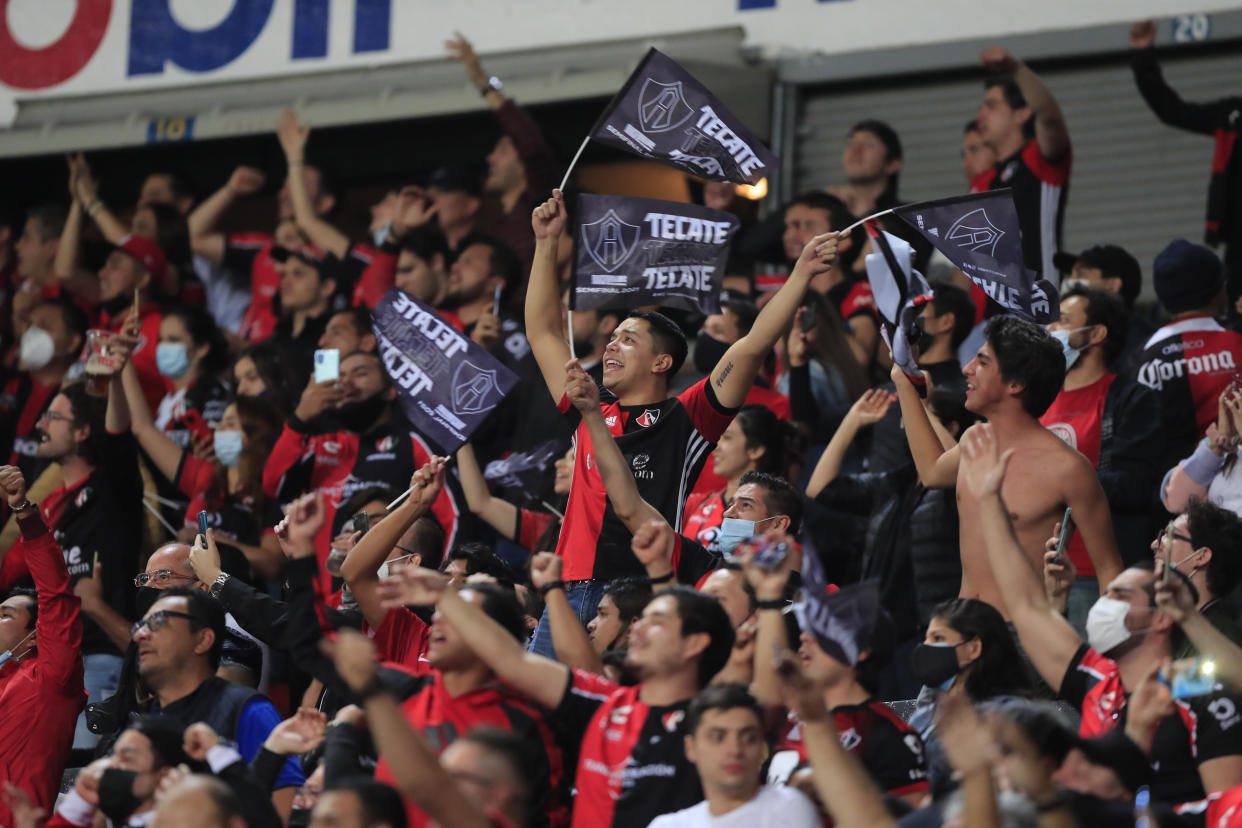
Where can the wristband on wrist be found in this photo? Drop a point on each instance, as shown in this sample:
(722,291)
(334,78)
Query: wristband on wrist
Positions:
(23,507)
(771,604)
(373,688)
(548,587)
(662,579)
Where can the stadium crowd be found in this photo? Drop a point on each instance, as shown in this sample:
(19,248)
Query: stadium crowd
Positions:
(221,612)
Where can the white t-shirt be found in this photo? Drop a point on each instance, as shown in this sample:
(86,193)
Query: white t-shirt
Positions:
(775,806)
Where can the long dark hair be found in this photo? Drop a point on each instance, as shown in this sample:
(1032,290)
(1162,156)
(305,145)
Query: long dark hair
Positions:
(832,346)
(172,234)
(1000,669)
(261,423)
(763,429)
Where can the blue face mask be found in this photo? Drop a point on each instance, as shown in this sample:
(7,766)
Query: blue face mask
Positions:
(1071,353)
(735,530)
(228,446)
(173,359)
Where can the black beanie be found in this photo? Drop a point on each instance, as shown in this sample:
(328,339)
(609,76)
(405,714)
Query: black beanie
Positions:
(1186,276)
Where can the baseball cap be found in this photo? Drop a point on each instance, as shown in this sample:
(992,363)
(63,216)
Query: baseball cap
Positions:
(147,253)
(455,179)
(1186,276)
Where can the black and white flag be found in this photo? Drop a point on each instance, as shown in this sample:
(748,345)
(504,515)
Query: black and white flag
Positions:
(843,621)
(446,383)
(630,252)
(664,114)
(979,233)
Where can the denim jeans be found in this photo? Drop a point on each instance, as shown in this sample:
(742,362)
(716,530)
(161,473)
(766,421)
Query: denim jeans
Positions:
(584,598)
(101,675)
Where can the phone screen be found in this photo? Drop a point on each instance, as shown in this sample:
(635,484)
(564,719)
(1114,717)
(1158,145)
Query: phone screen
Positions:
(202,525)
(327,364)
(1063,540)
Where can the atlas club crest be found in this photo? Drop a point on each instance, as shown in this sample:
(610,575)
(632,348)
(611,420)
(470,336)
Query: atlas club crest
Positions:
(662,106)
(473,387)
(976,232)
(649,417)
(610,240)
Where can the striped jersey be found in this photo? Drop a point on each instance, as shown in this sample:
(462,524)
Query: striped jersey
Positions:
(1039,189)
(665,445)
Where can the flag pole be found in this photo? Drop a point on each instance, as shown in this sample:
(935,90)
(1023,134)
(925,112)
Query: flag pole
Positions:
(400,498)
(574,162)
(863,221)
(570,325)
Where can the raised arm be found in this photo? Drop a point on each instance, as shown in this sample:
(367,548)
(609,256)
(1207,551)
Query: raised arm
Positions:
(418,773)
(1045,634)
(771,639)
(1051,133)
(540,679)
(69,249)
(86,193)
(544,329)
(360,568)
(614,470)
(1093,519)
(1167,105)
(936,465)
(293,137)
(204,241)
(1177,602)
(499,513)
(867,410)
(734,375)
(569,638)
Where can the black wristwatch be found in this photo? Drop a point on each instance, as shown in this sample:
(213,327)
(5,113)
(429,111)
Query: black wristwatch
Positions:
(548,587)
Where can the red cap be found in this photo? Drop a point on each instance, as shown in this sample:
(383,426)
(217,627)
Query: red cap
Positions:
(147,253)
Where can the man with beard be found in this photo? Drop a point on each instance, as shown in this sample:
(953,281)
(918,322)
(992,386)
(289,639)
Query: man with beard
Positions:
(347,436)
(484,266)
(96,517)
(1128,639)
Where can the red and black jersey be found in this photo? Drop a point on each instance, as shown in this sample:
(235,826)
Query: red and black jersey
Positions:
(442,718)
(208,396)
(22,403)
(402,639)
(1039,189)
(340,463)
(529,528)
(887,747)
(251,254)
(632,766)
(231,517)
(704,513)
(665,445)
(853,298)
(154,384)
(1188,363)
(1204,727)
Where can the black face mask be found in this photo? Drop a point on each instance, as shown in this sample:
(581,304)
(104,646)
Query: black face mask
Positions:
(299,818)
(925,340)
(114,306)
(935,665)
(359,416)
(116,794)
(708,351)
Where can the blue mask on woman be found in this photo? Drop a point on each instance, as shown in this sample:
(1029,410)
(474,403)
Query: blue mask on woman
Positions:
(228,446)
(172,359)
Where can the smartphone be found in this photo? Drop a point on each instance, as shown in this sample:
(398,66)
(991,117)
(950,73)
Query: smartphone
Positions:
(810,318)
(327,365)
(202,525)
(362,522)
(193,422)
(1190,677)
(1063,540)
(496,301)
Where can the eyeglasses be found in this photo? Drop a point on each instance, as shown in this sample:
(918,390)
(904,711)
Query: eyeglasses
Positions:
(156,621)
(1168,532)
(161,577)
(54,416)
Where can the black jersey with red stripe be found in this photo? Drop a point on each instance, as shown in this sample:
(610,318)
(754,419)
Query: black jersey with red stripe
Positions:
(1188,363)
(632,765)
(887,747)
(1204,727)
(443,718)
(1039,189)
(665,445)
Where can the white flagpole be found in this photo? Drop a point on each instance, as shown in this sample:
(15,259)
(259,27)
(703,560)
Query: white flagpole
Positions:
(861,222)
(570,325)
(401,497)
(574,162)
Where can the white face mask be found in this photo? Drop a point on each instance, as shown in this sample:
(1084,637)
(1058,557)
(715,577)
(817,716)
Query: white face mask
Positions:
(385,568)
(37,349)
(1106,625)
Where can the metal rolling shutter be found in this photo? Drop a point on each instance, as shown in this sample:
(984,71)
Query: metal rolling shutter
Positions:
(1136,182)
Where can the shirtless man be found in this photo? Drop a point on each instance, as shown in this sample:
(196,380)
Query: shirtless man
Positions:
(1011,382)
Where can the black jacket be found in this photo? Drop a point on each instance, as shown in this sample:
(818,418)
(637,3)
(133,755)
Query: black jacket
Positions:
(1131,448)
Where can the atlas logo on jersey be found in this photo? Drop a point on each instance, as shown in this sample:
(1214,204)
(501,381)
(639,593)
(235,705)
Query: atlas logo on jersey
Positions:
(649,417)
(385,443)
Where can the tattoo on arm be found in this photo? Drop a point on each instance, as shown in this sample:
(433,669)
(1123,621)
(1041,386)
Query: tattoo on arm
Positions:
(724,375)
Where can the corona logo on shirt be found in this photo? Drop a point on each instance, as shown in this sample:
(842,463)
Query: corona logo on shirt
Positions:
(1155,372)
(649,417)
(639,465)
